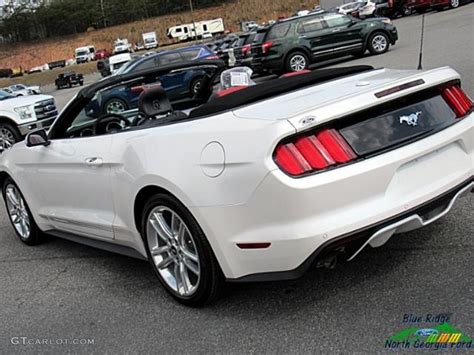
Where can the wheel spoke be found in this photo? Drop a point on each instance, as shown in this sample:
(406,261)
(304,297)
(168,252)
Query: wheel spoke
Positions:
(181,234)
(165,263)
(12,198)
(191,267)
(184,277)
(160,250)
(160,226)
(188,254)
(175,224)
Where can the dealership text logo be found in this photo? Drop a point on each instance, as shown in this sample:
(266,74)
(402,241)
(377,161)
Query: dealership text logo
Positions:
(429,332)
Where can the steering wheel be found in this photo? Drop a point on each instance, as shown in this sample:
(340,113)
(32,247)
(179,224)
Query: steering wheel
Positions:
(110,123)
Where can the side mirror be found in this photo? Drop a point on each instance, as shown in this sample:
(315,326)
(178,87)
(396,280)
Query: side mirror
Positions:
(37,138)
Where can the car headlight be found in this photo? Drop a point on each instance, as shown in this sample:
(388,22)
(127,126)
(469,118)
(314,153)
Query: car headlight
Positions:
(387,21)
(25,112)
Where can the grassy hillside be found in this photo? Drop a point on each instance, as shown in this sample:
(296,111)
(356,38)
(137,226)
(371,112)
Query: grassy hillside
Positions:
(29,55)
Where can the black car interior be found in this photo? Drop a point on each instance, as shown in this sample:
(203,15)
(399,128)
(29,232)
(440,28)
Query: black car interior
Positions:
(155,108)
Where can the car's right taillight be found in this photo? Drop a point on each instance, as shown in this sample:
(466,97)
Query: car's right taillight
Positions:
(313,152)
(459,102)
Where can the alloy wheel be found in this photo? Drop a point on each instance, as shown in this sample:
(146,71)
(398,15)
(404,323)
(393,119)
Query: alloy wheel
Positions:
(454,3)
(379,43)
(17,211)
(7,139)
(196,87)
(173,251)
(297,63)
(115,107)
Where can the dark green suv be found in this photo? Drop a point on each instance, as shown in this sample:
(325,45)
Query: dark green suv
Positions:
(291,45)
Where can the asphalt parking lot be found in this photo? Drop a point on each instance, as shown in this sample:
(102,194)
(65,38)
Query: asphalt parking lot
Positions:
(61,290)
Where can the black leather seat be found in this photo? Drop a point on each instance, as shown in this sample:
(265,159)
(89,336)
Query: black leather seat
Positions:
(154,102)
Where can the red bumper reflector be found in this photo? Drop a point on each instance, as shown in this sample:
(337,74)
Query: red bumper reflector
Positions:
(253,245)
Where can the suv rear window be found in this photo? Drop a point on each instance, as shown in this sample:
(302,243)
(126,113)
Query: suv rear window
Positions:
(278,31)
(259,37)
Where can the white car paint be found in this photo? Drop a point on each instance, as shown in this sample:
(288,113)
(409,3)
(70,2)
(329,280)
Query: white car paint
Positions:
(221,169)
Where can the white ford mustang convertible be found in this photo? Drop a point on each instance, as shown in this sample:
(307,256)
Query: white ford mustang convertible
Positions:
(244,183)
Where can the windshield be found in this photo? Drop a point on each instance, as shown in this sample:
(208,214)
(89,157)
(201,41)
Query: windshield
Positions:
(4,95)
(124,67)
(81,53)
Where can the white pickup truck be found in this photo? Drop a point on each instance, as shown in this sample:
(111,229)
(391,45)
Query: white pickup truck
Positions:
(21,115)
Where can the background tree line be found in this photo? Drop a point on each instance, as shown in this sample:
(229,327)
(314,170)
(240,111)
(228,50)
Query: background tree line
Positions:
(65,17)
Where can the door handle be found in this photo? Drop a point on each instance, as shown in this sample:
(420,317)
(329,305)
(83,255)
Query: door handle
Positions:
(94,162)
(336,30)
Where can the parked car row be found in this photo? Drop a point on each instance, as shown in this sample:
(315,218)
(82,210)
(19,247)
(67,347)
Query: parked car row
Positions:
(292,44)
(394,8)
(22,90)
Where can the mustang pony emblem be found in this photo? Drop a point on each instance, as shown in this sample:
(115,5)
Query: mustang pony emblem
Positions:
(411,120)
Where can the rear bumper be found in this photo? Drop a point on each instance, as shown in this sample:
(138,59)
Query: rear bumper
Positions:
(300,217)
(350,245)
(393,35)
(270,63)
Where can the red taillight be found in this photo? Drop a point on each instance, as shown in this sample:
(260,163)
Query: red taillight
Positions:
(459,102)
(246,49)
(212,57)
(266,47)
(313,152)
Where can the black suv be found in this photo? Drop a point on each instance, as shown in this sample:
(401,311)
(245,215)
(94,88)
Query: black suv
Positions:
(69,79)
(291,45)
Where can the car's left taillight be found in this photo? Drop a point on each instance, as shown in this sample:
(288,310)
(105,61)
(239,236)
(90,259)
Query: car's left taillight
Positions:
(457,99)
(266,47)
(313,152)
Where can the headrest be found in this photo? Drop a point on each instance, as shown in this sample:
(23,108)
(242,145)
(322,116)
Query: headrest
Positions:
(153,101)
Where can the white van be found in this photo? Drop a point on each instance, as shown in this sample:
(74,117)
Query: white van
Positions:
(117,61)
(84,54)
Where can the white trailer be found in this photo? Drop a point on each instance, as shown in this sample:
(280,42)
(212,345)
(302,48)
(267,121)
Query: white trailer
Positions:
(149,40)
(186,32)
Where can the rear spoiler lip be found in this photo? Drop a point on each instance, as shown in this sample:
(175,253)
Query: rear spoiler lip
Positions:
(337,108)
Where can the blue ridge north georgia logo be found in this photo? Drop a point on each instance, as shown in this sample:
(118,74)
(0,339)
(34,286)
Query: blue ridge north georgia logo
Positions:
(431,337)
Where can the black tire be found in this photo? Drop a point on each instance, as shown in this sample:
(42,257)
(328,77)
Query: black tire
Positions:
(211,278)
(196,86)
(81,83)
(70,85)
(406,11)
(117,101)
(453,4)
(11,133)
(376,45)
(296,61)
(35,235)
